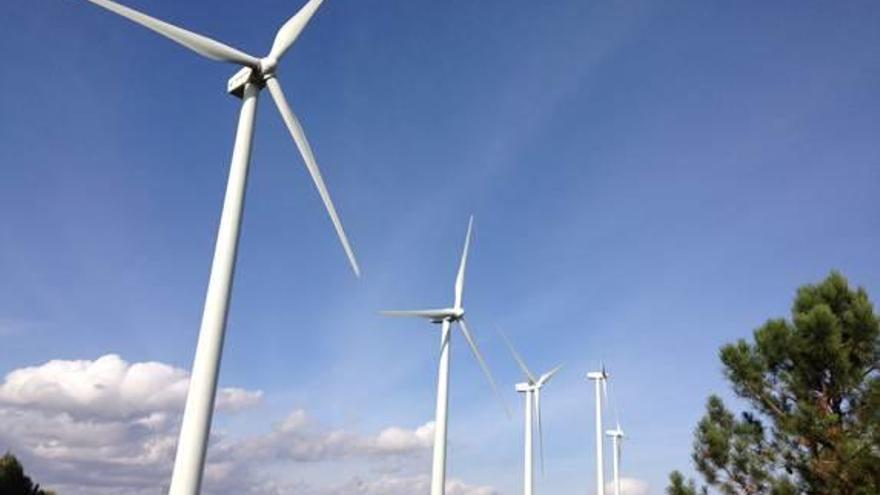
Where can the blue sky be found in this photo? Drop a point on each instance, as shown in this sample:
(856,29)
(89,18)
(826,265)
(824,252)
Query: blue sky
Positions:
(650,180)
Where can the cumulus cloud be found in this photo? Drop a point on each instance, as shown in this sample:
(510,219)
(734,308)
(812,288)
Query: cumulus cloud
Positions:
(629,486)
(400,440)
(109,427)
(94,426)
(109,388)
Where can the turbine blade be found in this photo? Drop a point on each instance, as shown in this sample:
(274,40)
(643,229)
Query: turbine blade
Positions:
(540,427)
(547,376)
(473,345)
(202,45)
(419,313)
(296,131)
(291,29)
(459,279)
(519,360)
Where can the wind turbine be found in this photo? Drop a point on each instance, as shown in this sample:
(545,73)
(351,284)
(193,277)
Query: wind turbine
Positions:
(446,317)
(601,379)
(246,84)
(616,438)
(532,390)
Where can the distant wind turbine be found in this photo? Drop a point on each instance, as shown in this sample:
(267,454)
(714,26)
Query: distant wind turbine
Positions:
(601,379)
(246,84)
(446,317)
(532,390)
(616,438)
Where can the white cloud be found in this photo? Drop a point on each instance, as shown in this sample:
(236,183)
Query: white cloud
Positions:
(400,440)
(629,486)
(109,427)
(298,438)
(99,426)
(236,399)
(382,485)
(407,485)
(110,388)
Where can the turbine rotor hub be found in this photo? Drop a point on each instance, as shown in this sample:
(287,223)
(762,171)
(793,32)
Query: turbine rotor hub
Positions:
(268,66)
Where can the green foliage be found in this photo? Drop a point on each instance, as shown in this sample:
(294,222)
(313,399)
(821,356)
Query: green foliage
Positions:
(813,384)
(732,453)
(678,486)
(13,481)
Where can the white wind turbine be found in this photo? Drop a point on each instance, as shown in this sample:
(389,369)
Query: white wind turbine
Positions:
(601,379)
(616,439)
(246,84)
(446,317)
(532,390)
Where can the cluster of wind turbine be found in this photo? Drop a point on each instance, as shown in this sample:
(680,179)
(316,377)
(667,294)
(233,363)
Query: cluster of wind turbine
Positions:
(446,317)
(531,389)
(256,73)
(601,391)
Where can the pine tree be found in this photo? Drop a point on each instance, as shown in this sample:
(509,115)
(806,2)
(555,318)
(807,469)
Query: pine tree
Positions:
(678,486)
(813,385)
(13,481)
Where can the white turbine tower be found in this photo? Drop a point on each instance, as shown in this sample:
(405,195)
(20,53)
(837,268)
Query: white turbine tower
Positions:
(616,439)
(446,317)
(532,390)
(246,84)
(601,379)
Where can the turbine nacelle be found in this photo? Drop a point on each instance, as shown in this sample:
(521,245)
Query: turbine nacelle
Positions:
(456,314)
(235,85)
(449,314)
(597,375)
(267,69)
(526,387)
(615,433)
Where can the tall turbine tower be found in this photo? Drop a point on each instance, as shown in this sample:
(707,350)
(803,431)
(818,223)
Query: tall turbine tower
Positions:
(256,74)
(532,390)
(601,379)
(616,439)
(446,317)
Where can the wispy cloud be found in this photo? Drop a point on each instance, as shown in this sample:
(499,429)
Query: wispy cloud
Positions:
(11,327)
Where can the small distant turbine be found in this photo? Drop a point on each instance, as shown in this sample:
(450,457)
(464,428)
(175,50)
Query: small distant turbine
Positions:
(616,439)
(532,390)
(255,74)
(601,379)
(446,317)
